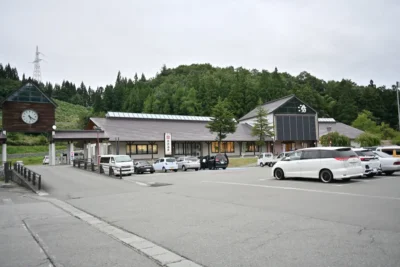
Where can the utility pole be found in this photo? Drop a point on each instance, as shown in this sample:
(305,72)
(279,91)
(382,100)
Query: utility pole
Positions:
(398,105)
(37,74)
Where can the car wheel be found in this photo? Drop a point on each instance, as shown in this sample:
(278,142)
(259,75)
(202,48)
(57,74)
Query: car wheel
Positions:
(176,170)
(370,175)
(389,173)
(184,168)
(261,164)
(224,168)
(279,175)
(164,169)
(152,172)
(346,179)
(326,176)
(196,169)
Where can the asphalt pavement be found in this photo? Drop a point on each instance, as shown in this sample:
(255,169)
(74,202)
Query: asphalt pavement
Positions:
(237,217)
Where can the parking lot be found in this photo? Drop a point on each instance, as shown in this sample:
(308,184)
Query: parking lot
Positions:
(244,217)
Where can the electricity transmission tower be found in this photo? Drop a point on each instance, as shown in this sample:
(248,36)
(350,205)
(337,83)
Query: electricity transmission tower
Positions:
(37,74)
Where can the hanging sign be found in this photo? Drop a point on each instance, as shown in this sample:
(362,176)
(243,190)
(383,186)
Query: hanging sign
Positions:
(168,144)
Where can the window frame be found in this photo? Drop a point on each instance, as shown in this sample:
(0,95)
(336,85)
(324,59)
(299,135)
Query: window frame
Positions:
(149,148)
(224,145)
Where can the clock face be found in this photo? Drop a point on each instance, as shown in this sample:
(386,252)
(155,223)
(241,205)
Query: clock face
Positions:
(302,108)
(29,116)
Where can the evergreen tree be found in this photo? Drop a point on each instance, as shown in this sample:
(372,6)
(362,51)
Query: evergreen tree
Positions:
(261,128)
(223,121)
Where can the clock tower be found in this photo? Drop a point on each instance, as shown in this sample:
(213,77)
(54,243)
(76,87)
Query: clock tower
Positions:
(28,110)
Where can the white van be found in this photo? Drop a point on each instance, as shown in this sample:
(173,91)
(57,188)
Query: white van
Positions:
(324,163)
(393,151)
(117,163)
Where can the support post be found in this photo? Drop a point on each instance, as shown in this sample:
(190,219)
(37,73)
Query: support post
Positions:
(68,155)
(4,152)
(53,154)
(71,150)
(85,151)
(50,153)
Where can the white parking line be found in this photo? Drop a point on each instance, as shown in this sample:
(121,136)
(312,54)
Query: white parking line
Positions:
(305,190)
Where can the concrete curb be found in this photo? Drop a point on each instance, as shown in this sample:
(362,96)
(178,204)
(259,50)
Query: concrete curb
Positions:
(155,252)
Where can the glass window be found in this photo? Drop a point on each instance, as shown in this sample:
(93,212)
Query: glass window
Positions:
(251,147)
(170,160)
(161,160)
(226,147)
(345,153)
(153,148)
(103,159)
(141,149)
(123,158)
(295,155)
(327,154)
(382,155)
(388,151)
(310,154)
(179,149)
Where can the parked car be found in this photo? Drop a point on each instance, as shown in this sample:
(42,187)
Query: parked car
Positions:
(266,159)
(117,163)
(393,151)
(369,161)
(389,164)
(46,160)
(186,163)
(218,161)
(324,163)
(143,166)
(165,164)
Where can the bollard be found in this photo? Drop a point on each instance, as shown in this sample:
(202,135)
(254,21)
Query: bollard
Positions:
(120,173)
(85,165)
(6,171)
(24,172)
(79,164)
(92,165)
(110,171)
(40,182)
(73,163)
(34,179)
(101,168)
(29,175)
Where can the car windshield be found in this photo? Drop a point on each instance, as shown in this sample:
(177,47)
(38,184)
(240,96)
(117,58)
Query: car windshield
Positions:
(170,160)
(144,163)
(382,154)
(124,158)
(192,159)
(365,153)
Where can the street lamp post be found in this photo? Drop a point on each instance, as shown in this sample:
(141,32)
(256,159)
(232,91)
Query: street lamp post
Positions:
(98,143)
(398,105)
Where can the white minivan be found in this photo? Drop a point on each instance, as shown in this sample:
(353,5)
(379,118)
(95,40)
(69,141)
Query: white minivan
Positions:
(324,163)
(117,163)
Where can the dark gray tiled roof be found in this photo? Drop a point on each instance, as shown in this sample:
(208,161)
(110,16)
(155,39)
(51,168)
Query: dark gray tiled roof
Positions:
(71,135)
(341,128)
(153,130)
(269,106)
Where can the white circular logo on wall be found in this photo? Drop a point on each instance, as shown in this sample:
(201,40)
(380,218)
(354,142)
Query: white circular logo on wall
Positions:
(302,108)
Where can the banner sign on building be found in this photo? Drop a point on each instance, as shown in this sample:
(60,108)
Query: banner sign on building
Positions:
(168,144)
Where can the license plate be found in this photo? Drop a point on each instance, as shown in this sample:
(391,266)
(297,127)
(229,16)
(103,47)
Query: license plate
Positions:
(222,162)
(375,170)
(171,168)
(147,170)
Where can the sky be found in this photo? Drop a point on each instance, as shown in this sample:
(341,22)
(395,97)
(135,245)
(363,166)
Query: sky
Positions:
(92,40)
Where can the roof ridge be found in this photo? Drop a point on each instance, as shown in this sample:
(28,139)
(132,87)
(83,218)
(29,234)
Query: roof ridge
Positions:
(275,100)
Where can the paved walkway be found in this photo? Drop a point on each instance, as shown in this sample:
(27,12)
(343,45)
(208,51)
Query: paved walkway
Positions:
(38,233)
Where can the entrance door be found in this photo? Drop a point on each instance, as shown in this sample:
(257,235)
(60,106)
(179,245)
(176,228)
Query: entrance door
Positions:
(288,147)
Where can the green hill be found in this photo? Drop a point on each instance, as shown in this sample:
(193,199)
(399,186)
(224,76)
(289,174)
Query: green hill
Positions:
(68,116)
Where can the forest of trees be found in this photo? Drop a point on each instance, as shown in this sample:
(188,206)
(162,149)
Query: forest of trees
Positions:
(195,89)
